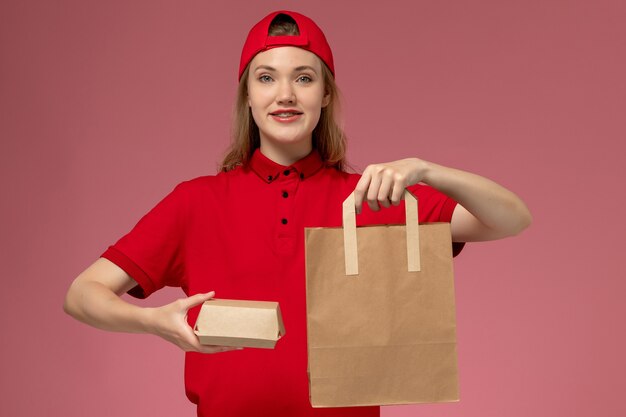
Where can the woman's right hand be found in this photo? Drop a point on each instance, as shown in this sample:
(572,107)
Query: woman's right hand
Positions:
(94,298)
(170,323)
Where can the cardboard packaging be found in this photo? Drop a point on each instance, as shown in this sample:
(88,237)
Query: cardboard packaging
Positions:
(239,323)
(381,325)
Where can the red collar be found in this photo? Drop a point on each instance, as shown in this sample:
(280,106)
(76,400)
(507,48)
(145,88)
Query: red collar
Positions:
(269,170)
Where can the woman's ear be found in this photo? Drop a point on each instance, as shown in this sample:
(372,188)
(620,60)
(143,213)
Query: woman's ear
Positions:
(326,99)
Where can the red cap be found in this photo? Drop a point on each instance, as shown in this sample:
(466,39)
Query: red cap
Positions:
(311,38)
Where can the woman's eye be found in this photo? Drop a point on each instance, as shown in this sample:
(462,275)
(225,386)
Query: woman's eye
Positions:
(305,78)
(265,78)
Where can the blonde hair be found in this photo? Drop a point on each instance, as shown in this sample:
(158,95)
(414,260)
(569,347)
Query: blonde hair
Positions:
(328,137)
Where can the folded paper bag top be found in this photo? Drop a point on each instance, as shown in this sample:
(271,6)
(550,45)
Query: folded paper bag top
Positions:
(239,323)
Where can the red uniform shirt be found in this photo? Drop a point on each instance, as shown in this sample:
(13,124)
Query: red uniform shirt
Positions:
(241,233)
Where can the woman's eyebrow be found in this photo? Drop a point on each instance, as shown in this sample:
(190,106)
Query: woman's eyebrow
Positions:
(300,68)
(305,67)
(267,67)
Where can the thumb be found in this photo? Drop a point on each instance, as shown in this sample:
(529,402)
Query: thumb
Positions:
(198,299)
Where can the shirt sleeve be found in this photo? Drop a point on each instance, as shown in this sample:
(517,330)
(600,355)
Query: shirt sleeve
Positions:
(152,253)
(435,206)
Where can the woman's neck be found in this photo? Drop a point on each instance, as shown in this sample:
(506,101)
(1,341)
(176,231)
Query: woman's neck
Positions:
(286,154)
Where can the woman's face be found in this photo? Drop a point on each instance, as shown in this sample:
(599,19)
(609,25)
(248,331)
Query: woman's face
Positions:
(286,96)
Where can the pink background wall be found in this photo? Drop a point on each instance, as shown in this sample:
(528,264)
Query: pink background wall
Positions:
(105,106)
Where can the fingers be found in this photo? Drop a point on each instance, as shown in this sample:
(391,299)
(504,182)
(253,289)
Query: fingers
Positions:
(189,342)
(171,324)
(384,192)
(361,190)
(397,193)
(217,349)
(384,184)
(196,299)
(375,186)
(372,192)
(194,345)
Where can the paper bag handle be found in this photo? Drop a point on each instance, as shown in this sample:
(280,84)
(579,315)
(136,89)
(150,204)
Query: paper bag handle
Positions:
(412,234)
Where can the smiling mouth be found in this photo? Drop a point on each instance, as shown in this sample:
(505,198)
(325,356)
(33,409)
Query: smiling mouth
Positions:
(285,114)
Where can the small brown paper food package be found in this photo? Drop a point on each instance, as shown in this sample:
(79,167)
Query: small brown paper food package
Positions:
(239,323)
(381,321)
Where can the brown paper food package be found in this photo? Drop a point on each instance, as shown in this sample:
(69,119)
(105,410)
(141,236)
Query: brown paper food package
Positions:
(240,323)
(381,319)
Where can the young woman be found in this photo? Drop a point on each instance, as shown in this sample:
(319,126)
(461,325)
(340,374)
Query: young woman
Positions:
(240,232)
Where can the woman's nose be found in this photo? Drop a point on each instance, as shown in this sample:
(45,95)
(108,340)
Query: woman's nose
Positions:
(285,93)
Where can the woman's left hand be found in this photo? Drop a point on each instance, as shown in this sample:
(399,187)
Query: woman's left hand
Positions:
(485,209)
(384,184)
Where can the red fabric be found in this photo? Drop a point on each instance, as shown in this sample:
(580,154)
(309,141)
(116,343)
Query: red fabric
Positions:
(226,233)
